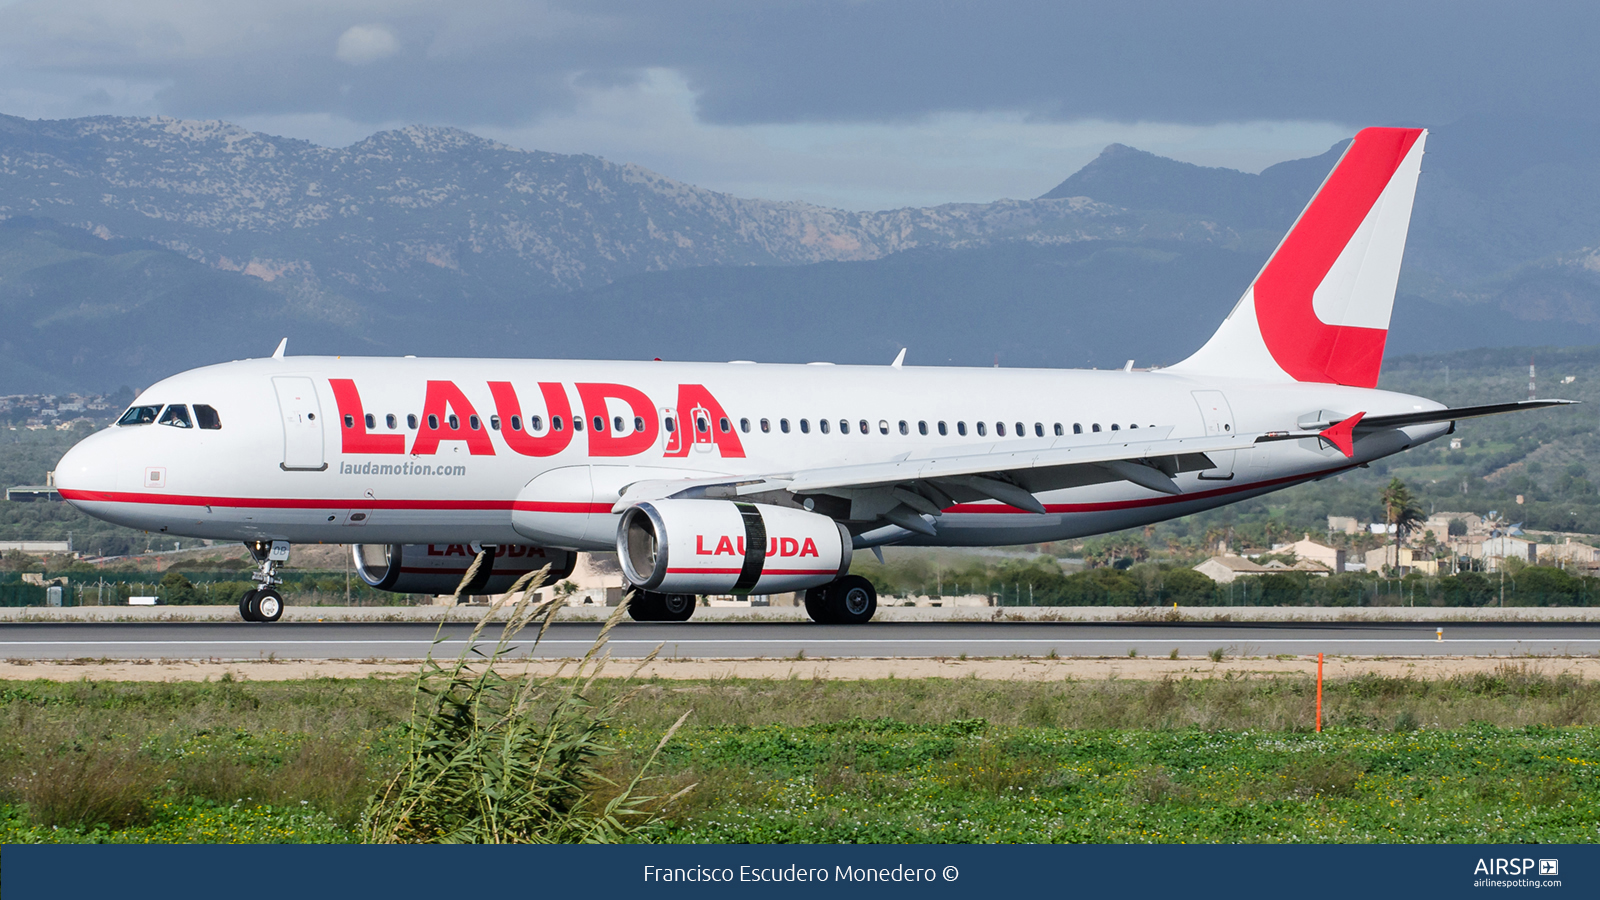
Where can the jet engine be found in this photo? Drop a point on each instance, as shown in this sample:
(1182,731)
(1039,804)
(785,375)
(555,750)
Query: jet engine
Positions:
(439,568)
(729,547)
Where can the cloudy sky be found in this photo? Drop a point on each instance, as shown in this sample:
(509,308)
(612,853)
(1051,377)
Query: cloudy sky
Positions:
(854,103)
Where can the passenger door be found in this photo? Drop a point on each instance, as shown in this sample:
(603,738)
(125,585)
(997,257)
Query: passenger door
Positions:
(302,423)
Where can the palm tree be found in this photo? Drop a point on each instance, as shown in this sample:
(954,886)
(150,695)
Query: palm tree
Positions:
(1400,512)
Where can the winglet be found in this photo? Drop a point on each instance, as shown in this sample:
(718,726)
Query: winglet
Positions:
(282,345)
(1341,435)
(898,359)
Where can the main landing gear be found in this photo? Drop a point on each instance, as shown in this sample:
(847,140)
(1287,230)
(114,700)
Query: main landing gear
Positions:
(264,603)
(849,601)
(651,606)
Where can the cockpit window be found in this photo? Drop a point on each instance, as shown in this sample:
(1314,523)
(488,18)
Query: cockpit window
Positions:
(139,415)
(206,417)
(177,415)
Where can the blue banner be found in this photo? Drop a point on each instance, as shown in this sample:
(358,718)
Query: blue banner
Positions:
(1365,872)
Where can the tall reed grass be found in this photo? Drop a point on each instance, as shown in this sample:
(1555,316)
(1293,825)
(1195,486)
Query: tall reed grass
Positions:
(496,759)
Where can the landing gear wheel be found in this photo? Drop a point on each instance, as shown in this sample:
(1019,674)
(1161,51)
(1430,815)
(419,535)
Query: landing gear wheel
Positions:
(851,601)
(247,607)
(268,605)
(817,605)
(646,606)
(652,606)
(677,607)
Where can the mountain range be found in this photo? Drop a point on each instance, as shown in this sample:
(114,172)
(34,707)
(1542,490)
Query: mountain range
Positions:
(133,248)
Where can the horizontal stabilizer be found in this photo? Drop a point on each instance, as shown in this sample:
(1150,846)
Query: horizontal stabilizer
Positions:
(1424,417)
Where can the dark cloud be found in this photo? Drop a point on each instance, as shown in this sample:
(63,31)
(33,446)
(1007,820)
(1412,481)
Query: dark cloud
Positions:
(505,63)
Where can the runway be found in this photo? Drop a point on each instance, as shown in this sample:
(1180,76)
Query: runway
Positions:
(362,641)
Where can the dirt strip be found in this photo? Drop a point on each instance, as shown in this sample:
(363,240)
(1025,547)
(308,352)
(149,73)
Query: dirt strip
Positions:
(1082,669)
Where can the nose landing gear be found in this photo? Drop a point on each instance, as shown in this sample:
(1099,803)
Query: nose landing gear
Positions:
(265,604)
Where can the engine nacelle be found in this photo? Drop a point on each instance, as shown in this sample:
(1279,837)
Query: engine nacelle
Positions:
(439,568)
(729,547)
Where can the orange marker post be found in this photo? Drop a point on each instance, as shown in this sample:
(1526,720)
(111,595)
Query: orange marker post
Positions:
(1319,693)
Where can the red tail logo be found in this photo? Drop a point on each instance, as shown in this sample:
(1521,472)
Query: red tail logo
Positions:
(1305,346)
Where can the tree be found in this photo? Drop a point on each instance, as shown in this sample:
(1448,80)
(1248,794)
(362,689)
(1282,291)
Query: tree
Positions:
(1400,512)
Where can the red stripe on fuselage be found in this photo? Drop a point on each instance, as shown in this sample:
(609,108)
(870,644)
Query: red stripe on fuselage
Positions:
(590,508)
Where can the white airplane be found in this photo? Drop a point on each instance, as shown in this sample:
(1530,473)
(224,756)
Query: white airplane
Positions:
(711,478)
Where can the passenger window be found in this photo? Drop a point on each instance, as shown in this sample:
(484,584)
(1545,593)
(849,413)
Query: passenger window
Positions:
(822,424)
(1059,431)
(177,415)
(372,421)
(535,423)
(349,421)
(725,425)
(1095,426)
(455,423)
(766,426)
(905,429)
(516,423)
(558,424)
(494,423)
(1077,428)
(1133,426)
(783,425)
(701,426)
(475,423)
(1022,430)
(883,426)
(942,431)
(844,426)
(961,429)
(922,427)
(638,423)
(411,421)
(388,420)
(577,423)
(805,427)
(433,422)
(865,428)
(139,415)
(744,425)
(1115,427)
(672,424)
(999,429)
(206,417)
(599,424)
(982,429)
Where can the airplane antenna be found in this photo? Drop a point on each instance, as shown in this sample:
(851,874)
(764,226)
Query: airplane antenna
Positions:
(898,359)
(278,353)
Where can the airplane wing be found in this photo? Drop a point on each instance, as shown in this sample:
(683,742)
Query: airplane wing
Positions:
(901,491)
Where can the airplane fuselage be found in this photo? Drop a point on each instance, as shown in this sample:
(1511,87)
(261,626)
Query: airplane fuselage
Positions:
(404,451)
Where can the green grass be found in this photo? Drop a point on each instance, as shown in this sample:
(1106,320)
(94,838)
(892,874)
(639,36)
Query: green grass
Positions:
(1505,756)
(888,782)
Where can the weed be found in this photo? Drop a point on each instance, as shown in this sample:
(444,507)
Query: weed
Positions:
(1173,654)
(1132,652)
(1216,655)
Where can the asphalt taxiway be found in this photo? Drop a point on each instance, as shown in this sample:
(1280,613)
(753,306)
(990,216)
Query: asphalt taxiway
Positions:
(746,640)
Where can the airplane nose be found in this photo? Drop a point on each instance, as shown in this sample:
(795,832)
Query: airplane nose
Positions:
(87,468)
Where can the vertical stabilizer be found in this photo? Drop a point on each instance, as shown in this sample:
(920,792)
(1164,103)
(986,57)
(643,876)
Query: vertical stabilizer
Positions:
(1319,310)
